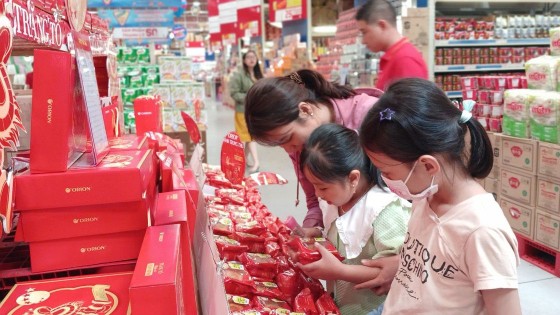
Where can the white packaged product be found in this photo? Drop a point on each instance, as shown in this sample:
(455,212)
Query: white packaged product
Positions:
(544,110)
(516,118)
(542,73)
(555,41)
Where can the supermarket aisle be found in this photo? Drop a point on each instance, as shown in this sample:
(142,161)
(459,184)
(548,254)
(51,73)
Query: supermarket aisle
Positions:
(539,290)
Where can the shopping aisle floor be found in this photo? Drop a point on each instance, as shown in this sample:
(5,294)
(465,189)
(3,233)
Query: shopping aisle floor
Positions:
(539,290)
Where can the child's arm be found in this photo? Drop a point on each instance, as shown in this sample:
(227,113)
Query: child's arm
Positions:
(501,301)
(388,267)
(330,268)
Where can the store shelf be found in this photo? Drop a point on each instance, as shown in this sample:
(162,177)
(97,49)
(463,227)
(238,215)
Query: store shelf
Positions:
(454,94)
(480,67)
(492,42)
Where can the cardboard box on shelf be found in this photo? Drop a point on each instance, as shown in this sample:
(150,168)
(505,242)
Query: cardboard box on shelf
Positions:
(122,177)
(549,160)
(520,217)
(84,251)
(187,144)
(416,29)
(56,142)
(74,295)
(495,172)
(547,229)
(492,186)
(519,153)
(156,286)
(82,221)
(548,195)
(496,142)
(518,186)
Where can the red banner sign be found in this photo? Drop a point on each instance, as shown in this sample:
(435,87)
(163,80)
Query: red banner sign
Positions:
(249,21)
(282,10)
(38,26)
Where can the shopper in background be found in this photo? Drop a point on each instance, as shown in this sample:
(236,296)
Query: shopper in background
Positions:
(241,80)
(283,111)
(361,219)
(377,21)
(29,78)
(460,254)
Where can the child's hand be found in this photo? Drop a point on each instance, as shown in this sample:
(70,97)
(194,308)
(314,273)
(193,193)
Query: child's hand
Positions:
(311,232)
(327,268)
(382,282)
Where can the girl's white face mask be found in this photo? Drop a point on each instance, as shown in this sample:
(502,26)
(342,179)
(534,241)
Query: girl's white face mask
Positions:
(400,189)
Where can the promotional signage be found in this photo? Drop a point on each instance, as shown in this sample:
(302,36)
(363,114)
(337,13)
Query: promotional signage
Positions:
(141,32)
(233,158)
(38,26)
(249,18)
(135,3)
(135,18)
(179,31)
(282,10)
(195,51)
(214,24)
(227,12)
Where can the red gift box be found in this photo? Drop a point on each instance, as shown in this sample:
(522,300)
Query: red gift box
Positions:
(128,142)
(55,143)
(513,82)
(166,162)
(84,251)
(147,114)
(156,286)
(187,183)
(171,208)
(82,221)
(92,294)
(469,83)
(122,177)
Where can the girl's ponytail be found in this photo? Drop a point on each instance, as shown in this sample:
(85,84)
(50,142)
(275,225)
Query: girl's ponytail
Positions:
(481,157)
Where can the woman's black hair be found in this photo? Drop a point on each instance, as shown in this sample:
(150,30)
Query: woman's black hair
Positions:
(333,151)
(274,102)
(414,117)
(256,69)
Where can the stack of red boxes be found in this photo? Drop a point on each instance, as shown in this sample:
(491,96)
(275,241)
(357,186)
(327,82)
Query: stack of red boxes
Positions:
(488,92)
(84,217)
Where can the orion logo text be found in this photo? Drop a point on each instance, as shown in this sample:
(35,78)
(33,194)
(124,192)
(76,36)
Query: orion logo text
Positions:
(77,189)
(92,249)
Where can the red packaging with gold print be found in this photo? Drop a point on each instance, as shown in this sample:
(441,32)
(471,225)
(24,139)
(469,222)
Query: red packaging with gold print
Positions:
(105,294)
(82,221)
(85,251)
(172,209)
(188,183)
(120,177)
(128,142)
(156,286)
(54,146)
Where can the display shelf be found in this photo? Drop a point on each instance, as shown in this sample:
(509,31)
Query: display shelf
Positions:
(492,42)
(454,94)
(480,67)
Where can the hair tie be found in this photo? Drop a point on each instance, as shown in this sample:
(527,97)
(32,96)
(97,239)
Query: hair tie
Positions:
(468,106)
(296,78)
(386,114)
